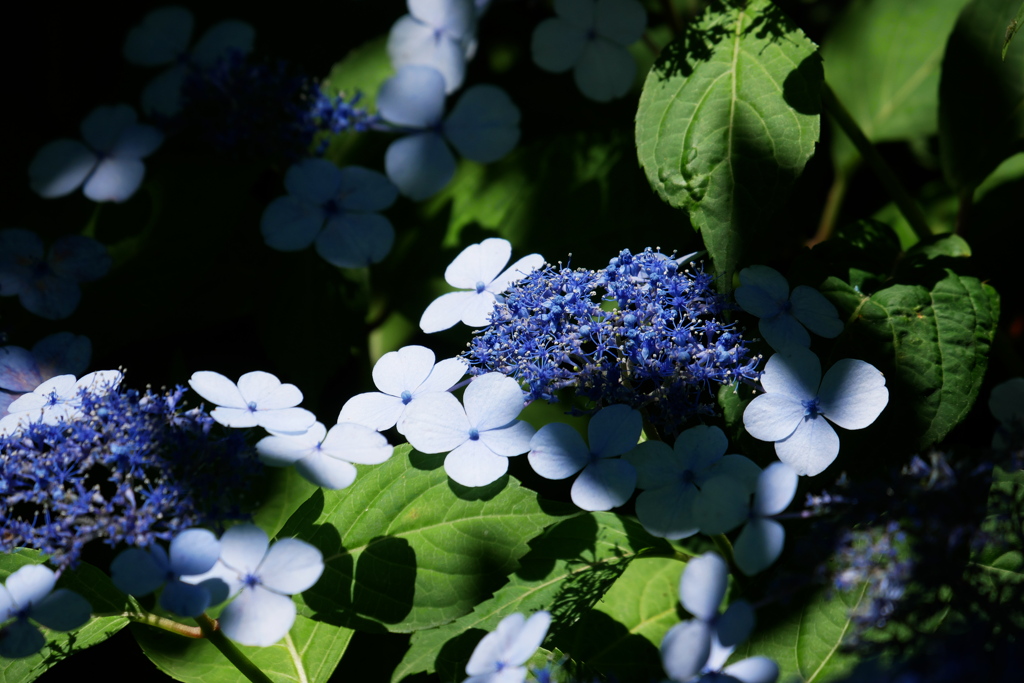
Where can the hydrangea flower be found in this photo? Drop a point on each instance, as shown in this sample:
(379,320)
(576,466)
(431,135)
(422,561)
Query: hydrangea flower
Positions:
(261,578)
(163,38)
(797,402)
(325,457)
(140,572)
(22,371)
(590,38)
(143,448)
(478,268)
(436,33)
(337,209)
(501,656)
(557,451)
(28,596)
(107,166)
(726,507)
(483,126)
(672,478)
(47,284)
(480,437)
(764,292)
(57,400)
(401,376)
(259,399)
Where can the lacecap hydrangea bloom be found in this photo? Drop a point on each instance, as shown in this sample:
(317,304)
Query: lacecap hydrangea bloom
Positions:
(644,332)
(259,399)
(57,400)
(22,370)
(764,292)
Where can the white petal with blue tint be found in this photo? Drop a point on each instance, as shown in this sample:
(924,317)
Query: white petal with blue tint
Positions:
(474,464)
(815,312)
(753,670)
(685,649)
(414,43)
(60,168)
(114,180)
(363,189)
(613,430)
(420,165)
(775,489)
(759,545)
(289,224)
(763,291)
(448,309)
(811,448)
(484,124)
(604,484)
(435,423)
(325,471)
(258,617)
(492,400)
(79,258)
(315,181)
(513,439)
(516,272)
(783,331)
(104,125)
(355,240)
(557,451)
(853,393)
(413,97)
(723,504)
(667,512)
(702,585)
(291,566)
(162,95)
(773,417)
(795,373)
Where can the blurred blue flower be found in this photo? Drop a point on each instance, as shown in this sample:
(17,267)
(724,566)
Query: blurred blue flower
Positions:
(47,284)
(501,655)
(401,376)
(436,33)
(478,268)
(163,38)
(193,551)
(480,437)
(261,578)
(22,371)
(325,457)
(764,292)
(557,451)
(28,596)
(259,399)
(337,209)
(108,165)
(793,411)
(672,478)
(483,126)
(591,38)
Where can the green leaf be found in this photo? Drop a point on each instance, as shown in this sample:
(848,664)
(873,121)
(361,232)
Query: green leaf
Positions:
(407,549)
(308,654)
(805,642)
(931,340)
(727,119)
(1001,563)
(882,60)
(91,584)
(286,490)
(981,95)
(568,570)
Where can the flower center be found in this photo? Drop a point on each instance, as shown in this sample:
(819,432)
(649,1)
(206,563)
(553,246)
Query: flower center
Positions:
(480,287)
(812,408)
(406,397)
(474,434)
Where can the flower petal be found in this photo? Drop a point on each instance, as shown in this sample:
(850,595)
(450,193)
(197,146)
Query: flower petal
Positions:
(614,430)
(217,389)
(763,291)
(853,394)
(222,38)
(667,512)
(772,417)
(621,21)
(754,670)
(242,548)
(557,45)
(194,551)
(782,331)
(419,165)
(114,180)
(605,70)
(291,566)
(435,423)
(795,373)
(816,312)
(413,97)
(702,586)
(325,471)
(373,409)
(313,181)
(604,484)
(775,489)
(474,464)
(685,649)
(289,224)
(356,443)
(759,545)
(512,439)
(258,617)
(484,124)
(557,451)
(161,38)
(492,400)
(60,167)
(355,240)
(809,449)
(478,263)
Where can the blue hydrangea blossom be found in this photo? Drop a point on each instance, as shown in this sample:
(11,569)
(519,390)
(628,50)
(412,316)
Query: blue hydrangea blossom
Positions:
(478,437)
(46,284)
(501,656)
(401,376)
(798,404)
(28,596)
(107,166)
(259,399)
(483,126)
(57,400)
(325,457)
(436,33)
(260,579)
(21,370)
(764,292)
(337,209)
(672,479)
(557,451)
(591,38)
(140,572)
(478,269)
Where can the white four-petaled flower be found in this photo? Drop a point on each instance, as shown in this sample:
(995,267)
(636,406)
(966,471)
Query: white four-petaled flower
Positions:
(259,399)
(764,292)
(325,457)
(436,33)
(28,595)
(501,655)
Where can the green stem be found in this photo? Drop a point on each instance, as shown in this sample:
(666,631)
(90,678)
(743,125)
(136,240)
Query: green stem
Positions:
(156,621)
(213,633)
(724,547)
(830,212)
(889,181)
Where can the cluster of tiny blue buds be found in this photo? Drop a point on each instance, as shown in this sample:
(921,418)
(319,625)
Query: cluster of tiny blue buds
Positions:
(644,332)
(133,468)
(872,556)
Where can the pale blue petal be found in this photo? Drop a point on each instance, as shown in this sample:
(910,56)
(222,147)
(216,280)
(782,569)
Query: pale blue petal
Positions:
(62,610)
(403,370)
(137,141)
(60,167)
(528,639)
(702,586)
(605,70)
(444,376)
(795,373)
(484,124)
(237,418)
(291,566)
(185,599)
(373,409)
(474,464)
(30,583)
(853,394)
(18,370)
(557,45)
(763,291)
(289,224)
(242,548)
(736,466)
(162,95)
(447,310)
(656,464)
(492,648)
(355,240)
(811,448)
(105,124)
(734,627)
(257,617)
(723,504)
(621,21)
(816,312)
(363,189)
(161,38)
(754,670)
(667,512)
(478,263)
(435,423)
(513,439)
(315,181)
(285,420)
(419,165)
(217,389)
(413,97)
(701,446)
(579,13)
(492,400)
(516,272)
(557,451)
(782,331)
(194,551)
(220,39)
(267,391)
(413,43)
(323,470)
(136,572)
(685,649)
(759,545)
(614,430)
(455,17)
(772,417)
(604,484)
(21,639)
(114,180)
(775,489)
(79,258)
(356,443)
